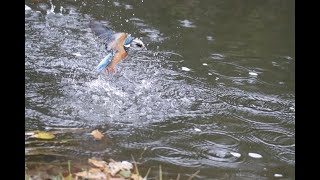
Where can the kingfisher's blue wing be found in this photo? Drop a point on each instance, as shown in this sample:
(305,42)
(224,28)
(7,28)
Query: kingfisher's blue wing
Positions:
(104,62)
(103,32)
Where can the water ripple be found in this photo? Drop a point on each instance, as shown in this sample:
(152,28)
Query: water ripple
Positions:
(176,156)
(151,101)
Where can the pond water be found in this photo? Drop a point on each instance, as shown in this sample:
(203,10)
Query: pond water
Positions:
(214,91)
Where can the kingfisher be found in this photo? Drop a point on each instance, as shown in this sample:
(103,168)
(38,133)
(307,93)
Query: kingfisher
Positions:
(116,44)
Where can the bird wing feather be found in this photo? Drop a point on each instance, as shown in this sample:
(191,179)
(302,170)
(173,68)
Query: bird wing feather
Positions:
(111,40)
(114,43)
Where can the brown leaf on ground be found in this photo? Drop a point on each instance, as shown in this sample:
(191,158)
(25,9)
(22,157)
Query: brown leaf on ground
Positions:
(115,167)
(92,174)
(97,134)
(99,164)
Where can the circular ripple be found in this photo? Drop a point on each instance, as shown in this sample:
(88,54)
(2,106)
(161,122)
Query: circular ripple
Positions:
(219,139)
(275,138)
(176,156)
(253,101)
(229,70)
(217,149)
(288,157)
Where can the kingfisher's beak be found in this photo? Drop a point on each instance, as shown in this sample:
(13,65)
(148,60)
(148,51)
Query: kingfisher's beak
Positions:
(139,43)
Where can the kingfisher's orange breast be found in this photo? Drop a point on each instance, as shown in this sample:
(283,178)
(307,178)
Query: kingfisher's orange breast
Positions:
(121,53)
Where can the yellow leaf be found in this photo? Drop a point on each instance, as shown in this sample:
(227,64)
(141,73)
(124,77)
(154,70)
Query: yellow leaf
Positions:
(97,134)
(43,135)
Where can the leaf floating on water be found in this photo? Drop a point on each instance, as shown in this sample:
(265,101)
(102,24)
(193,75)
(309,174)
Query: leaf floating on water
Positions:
(43,135)
(97,134)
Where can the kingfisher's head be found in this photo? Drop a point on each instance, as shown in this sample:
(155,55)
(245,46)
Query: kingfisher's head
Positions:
(133,43)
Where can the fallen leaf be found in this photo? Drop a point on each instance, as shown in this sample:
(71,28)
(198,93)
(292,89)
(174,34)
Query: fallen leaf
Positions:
(99,164)
(93,173)
(125,173)
(97,134)
(43,135)
(126,165)
(115,167)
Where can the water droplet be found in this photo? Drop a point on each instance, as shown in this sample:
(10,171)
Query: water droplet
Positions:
(209,38)
(27,8)
(76,54)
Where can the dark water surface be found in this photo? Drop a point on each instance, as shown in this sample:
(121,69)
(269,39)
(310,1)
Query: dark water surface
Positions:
(214,91)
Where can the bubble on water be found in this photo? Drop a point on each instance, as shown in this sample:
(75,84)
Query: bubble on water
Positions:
(253,74)
(185,69)
(278,175)
(254,155)
(235,154)
(187,23)
(209,38)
